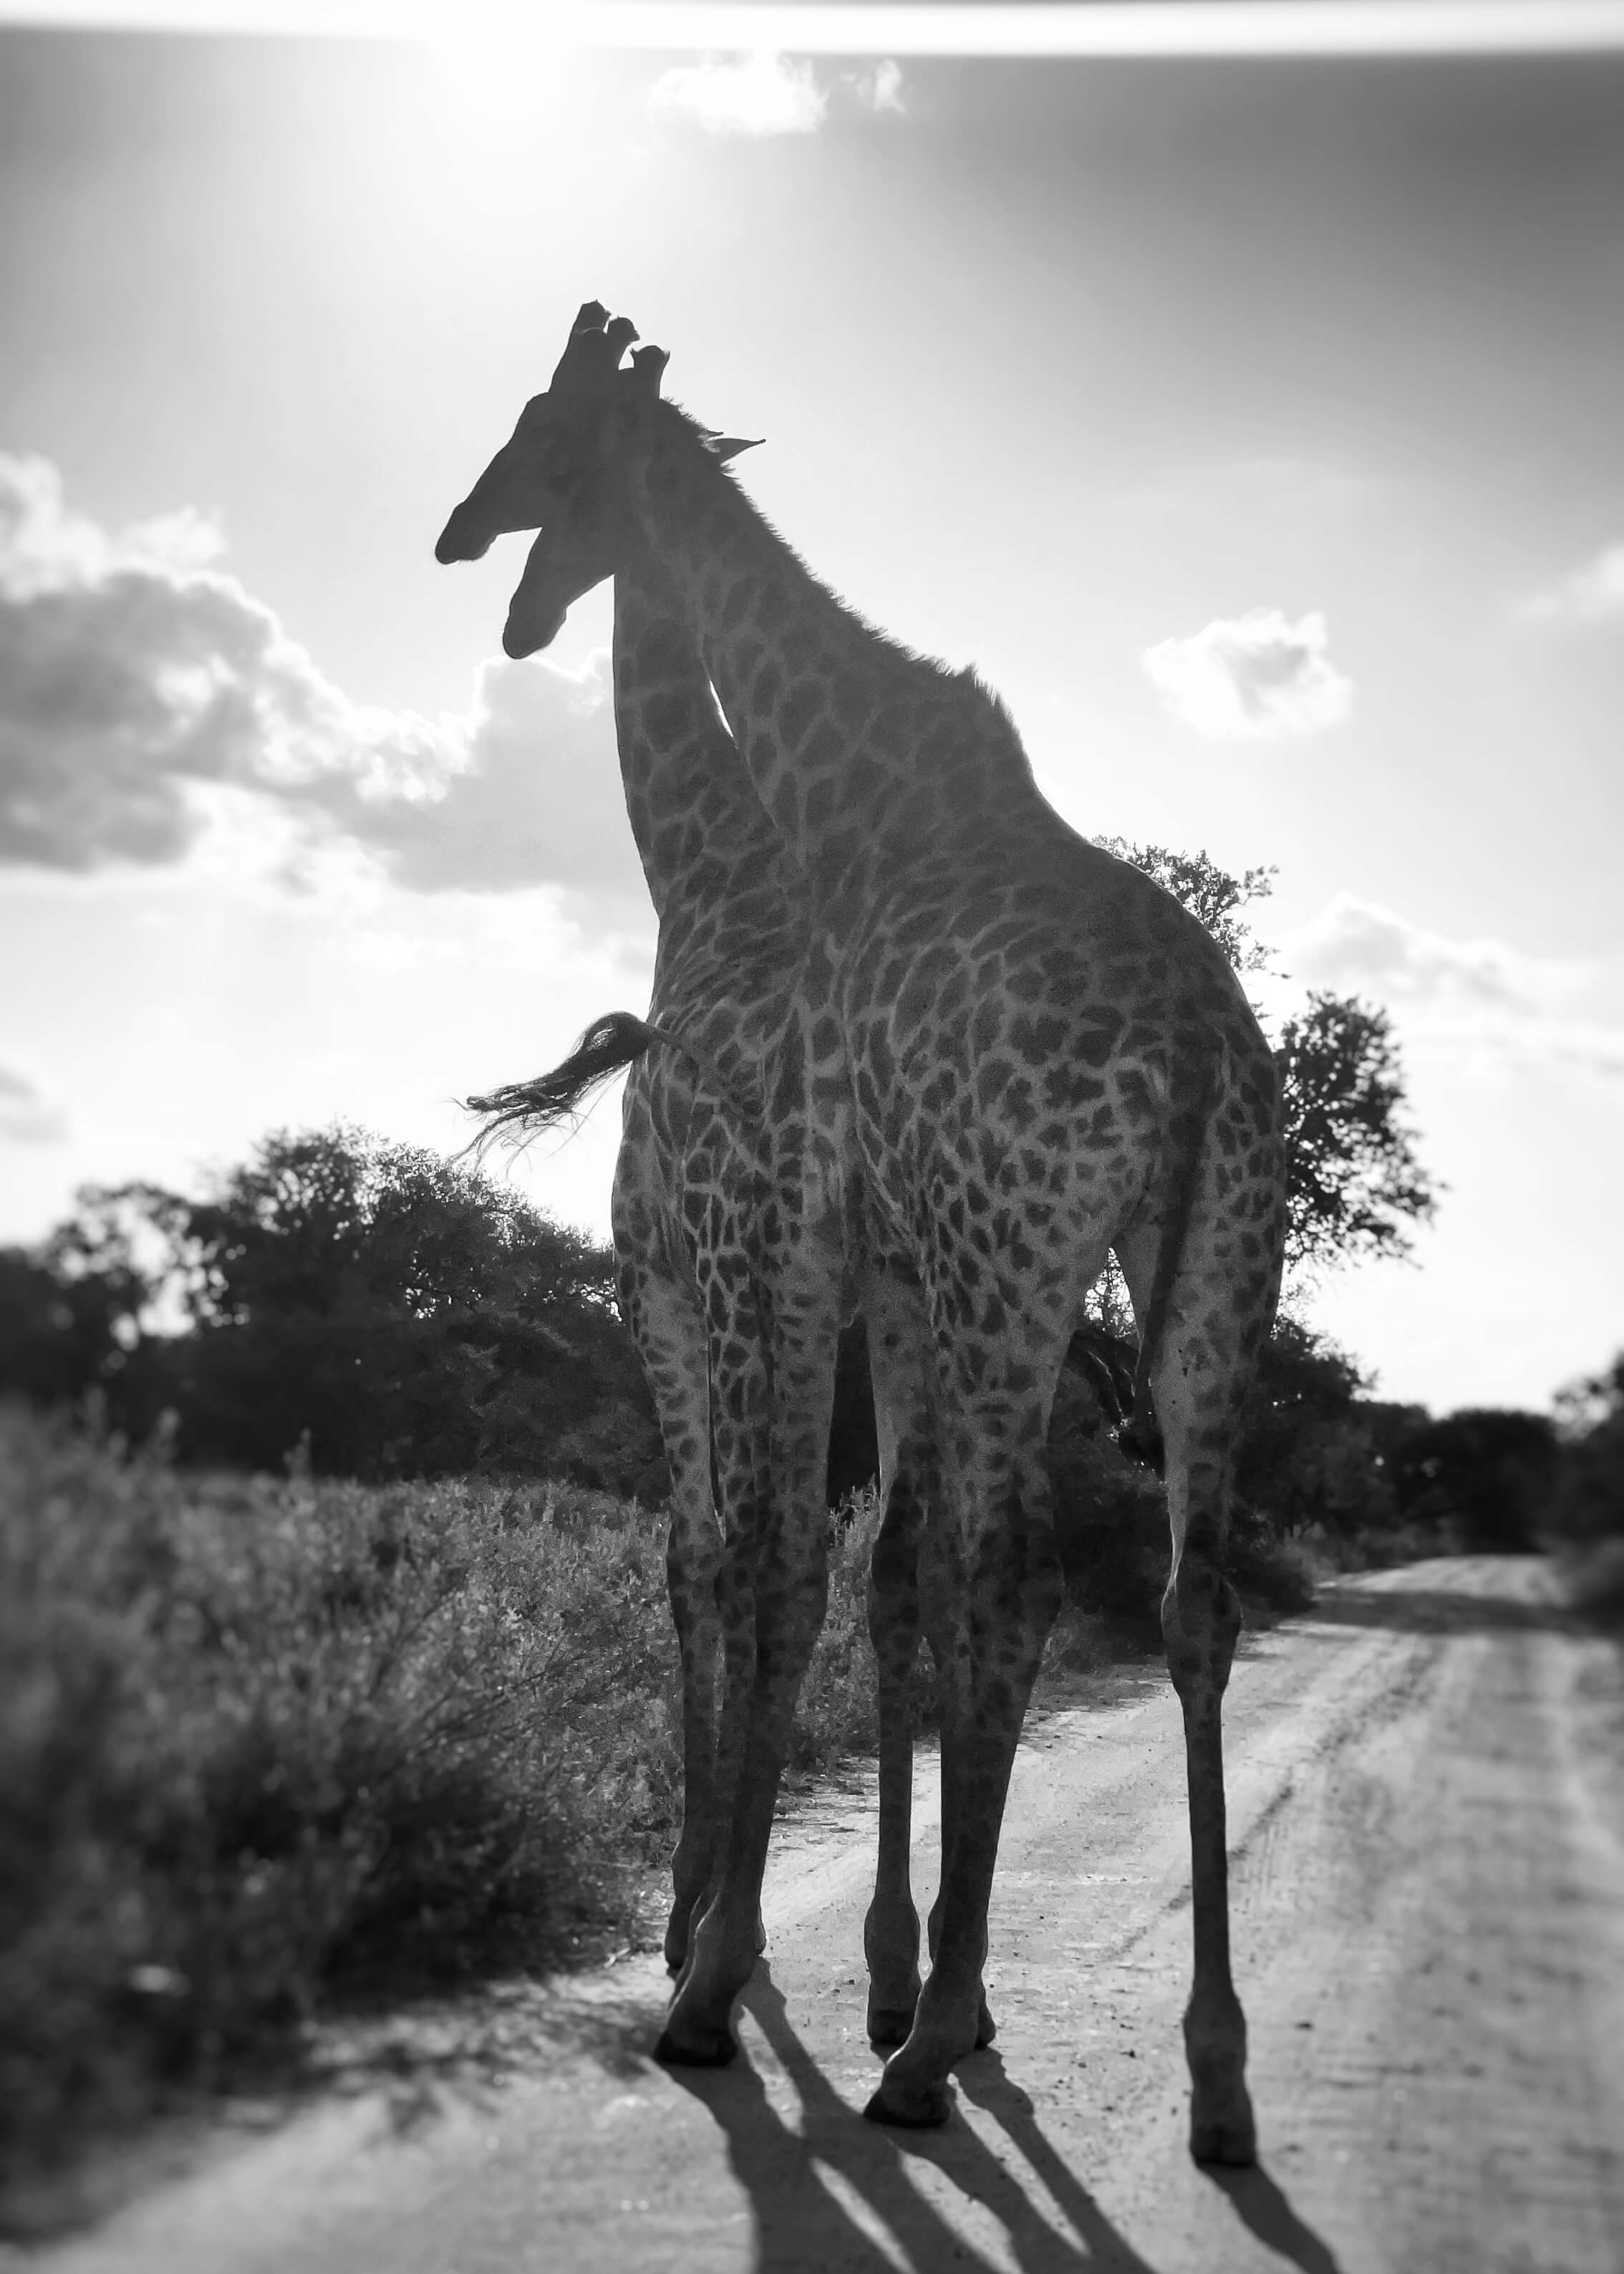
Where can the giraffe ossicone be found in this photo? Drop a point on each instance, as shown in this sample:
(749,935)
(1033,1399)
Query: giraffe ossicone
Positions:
(1008,1056)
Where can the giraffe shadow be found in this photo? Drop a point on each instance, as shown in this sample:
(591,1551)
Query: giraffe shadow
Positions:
(1259,2202)
(1265,2208)
(837,2191)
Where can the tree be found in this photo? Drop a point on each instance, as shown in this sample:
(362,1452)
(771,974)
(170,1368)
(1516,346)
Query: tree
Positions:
(402,1314)
(1487,1472)
(1589,1499)
(70,1311)
(1354,1182)
(1213,896)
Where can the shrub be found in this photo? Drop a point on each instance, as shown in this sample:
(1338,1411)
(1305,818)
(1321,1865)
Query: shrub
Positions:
(258,1738)
(1482,1477)
(1586,1516)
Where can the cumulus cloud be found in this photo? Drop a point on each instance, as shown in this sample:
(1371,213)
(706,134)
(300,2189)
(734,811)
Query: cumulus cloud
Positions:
(538,800)
(1254,678)
(27,1115)
(760,93)
(130,670)
(142,690)
(1477,994)
(767,94)
(879,90)
(1593,593)
(1355,943)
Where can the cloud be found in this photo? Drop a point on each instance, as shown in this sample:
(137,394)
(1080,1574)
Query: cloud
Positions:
(1478,995)
(879,88)
(43,547)
(1355,943)
(147,700)
(760,93)
(768,93)
(130,670)
(27,1115)
(537,802)
(1253,678)
(1591,594)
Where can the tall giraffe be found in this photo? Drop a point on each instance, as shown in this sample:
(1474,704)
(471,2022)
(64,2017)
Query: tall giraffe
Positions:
(688,1191)
(1037,1057)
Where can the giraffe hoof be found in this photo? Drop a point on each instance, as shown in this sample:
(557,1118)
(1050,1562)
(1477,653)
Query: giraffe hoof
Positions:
(889,2026)
(922,2111)
(712,2052)
(985,2027)
(1231,2139)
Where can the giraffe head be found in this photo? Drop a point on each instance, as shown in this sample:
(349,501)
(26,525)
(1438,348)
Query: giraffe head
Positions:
(566,469)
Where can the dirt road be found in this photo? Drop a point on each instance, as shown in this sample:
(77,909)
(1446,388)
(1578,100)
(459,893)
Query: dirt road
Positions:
(1427,1826)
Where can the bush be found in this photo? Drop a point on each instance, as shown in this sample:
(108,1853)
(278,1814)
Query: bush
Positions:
(259,1739)
(405,1315)
(265,1741)
(1111,1528)
(1588,1506)
(1483,1479)
(1586,1518)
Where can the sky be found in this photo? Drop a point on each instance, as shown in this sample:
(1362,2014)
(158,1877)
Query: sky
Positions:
(1250,421)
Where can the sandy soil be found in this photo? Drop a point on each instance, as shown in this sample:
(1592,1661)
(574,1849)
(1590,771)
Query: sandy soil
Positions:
(1427,1824)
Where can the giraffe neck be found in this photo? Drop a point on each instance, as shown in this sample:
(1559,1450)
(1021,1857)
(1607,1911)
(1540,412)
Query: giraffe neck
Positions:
(689,797)
(851,740)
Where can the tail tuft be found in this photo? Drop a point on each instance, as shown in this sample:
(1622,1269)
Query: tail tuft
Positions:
(521,1110)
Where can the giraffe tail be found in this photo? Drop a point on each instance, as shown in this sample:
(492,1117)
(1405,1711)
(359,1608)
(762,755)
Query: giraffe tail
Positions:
(1139,1434)
(520,1110)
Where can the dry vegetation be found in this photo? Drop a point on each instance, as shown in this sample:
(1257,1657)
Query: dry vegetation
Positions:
(268,1742)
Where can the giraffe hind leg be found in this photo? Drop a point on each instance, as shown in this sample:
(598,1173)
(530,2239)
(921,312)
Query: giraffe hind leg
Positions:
(668,1327)
(992,1603)
(896,1326)
(788,1582)
(1218,1317)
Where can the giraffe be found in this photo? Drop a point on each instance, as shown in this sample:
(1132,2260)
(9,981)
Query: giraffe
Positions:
(734,923)
(1024,1056)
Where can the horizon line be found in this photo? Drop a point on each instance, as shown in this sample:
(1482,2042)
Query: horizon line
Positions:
(1125,29)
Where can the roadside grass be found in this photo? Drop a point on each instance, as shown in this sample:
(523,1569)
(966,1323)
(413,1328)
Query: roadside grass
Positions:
(269,1745)
(263,1739)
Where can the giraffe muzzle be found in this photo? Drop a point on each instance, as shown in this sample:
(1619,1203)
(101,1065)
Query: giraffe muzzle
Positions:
(462,538)
(523,636)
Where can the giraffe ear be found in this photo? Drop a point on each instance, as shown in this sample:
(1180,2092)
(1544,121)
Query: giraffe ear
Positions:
(729,446)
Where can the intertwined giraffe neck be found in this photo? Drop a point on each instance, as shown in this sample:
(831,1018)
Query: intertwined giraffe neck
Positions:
(679,767)
(861,751)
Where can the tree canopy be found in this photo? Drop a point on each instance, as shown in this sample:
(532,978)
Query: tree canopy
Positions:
(1356,1185)
(402,1314)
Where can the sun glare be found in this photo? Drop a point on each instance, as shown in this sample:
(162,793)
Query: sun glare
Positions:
(496,64)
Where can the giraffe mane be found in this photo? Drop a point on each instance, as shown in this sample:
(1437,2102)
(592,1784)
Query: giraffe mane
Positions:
(966,681)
